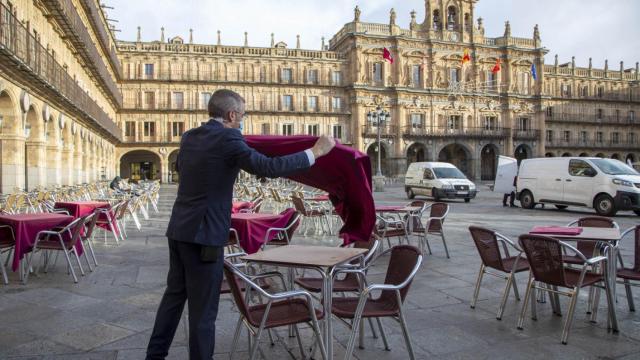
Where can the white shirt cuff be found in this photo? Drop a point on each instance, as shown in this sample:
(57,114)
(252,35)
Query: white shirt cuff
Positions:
(312,159)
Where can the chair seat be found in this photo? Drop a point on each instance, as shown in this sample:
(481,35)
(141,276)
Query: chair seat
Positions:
(348,284)
(345,307)
(314,213)
(6,244)
(572,276)
(629,274)
(391,232)
(282,313)
(277,242)
(523,264)
(53,245)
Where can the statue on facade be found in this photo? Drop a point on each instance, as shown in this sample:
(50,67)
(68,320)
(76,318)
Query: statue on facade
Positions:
(413,24)
(392,17)
(356,14)
(480,26)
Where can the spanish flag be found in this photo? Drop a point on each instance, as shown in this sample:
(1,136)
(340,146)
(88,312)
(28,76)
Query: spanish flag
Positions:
(386,54)
(496,67)
(466,57)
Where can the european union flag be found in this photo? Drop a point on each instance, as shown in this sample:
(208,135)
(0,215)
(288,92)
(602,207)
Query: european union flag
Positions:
(534,74)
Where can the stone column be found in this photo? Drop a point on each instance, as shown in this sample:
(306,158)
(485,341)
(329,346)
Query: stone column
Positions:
(86,162)
(54,158)
(36,148)
(12,161)
(77,159)
(67,160)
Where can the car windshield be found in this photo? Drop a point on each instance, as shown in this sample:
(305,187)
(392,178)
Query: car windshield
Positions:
(614,167)
(448,173)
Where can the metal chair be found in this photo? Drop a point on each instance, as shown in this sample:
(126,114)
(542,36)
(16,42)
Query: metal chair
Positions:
(404,262)
(86,237)
(388,227)
(588,248)
(282,236)
(434,225)
(310,212)
(7,245)
(281,309)
(63,239)
(486,242)
(547,267)
(631,274)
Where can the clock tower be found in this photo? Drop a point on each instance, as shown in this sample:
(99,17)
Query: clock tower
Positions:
(449,20)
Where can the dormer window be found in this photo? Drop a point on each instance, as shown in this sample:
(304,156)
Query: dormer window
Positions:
(176,40)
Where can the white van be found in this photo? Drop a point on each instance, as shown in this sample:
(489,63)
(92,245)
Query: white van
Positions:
(607,185)
(438,180)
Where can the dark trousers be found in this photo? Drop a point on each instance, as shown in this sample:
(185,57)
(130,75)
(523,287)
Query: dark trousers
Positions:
(197,282)
(511,197)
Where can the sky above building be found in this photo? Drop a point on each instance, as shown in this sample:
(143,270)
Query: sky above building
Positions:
(582,28)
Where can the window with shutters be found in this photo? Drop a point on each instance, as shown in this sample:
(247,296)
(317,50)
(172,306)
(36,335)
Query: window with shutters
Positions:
(130,128)
(416,76)
(336,104)
(265,129)
(567,136)
(286,76)
(177,128)
(148,71)
(204,100)
(599,137)
(454,122)
(417,121)
(377,72)
(549,135)
(312,103)
(287,129)
(312,76)
(149,100)
(615,137)
(149,128)
(177,100)
(287,102)
(490,122)
(584,136)
(336,78)
(337,131)
(312,129)
(523,124)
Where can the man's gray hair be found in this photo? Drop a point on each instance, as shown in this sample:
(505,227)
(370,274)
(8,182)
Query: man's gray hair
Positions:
(224,101)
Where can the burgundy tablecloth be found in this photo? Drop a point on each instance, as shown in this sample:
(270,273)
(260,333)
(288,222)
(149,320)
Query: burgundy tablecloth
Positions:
(83,208)
(240,205)
(26,227)
(556,230)
(252,228)
(344,173)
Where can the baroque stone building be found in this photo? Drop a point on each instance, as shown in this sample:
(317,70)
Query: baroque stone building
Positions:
(77,105)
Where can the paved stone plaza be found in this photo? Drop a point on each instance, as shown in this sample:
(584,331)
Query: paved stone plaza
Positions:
(110,312)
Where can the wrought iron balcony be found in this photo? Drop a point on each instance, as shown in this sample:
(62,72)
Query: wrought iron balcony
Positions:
(412,131)
(590,144)
(529,134)
(623,119)
(22,54)
(386,131)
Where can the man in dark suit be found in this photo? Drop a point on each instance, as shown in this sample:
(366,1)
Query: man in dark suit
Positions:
(209,160)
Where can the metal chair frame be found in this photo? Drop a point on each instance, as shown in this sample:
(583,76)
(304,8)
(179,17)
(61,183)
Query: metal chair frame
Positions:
(510,277)
(391,224)
(7,249)
(534,285)
(427,232)
(366,294)
(626,282)
(254,334)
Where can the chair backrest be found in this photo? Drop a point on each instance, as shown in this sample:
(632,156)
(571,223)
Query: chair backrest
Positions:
(636,249)
(90,224)
(256,206)
(437,210)
(292,224)
(232,274)
(298,204)
(74,228)
(588,247)
(545,258)
(403,265)
(487,245)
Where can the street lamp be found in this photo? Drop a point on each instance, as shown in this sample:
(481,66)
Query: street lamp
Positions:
(378,117)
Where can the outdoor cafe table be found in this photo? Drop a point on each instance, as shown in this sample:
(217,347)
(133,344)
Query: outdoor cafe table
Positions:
(27,226)
(79,209)
(399,209)
(324,259)
(252,228)
(607,236)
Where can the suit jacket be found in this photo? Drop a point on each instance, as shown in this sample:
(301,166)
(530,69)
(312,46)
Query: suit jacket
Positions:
(209,161)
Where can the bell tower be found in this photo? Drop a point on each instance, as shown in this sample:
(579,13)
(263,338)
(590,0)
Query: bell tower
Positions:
(449,20)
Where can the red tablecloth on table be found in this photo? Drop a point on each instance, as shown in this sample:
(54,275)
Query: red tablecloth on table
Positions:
(556,230)
(83,208)
(26,227)
(344,173)
(236,206)
(252,228)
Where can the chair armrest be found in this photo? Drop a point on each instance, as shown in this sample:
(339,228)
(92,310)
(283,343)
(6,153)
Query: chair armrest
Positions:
(235,255)
(269,274)
(595,260)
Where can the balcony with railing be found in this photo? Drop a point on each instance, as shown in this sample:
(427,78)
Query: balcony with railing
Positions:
(526,134)
(22,54)
(95,16)
(386,131)
(590,144)
(592,119)
(413,131)
(66,15)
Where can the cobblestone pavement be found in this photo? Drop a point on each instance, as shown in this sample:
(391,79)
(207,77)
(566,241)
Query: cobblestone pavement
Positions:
(110,312)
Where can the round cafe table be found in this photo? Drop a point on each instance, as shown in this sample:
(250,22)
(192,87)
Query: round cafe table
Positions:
(83,208)
(27,226)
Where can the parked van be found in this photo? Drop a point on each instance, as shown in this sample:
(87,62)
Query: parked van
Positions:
(607,185)
(438,180)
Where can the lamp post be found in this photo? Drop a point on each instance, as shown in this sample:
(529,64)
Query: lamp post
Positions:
(378,117)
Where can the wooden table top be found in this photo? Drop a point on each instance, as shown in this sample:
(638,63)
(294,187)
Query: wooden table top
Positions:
(384,208)
(591,233)
(298,255)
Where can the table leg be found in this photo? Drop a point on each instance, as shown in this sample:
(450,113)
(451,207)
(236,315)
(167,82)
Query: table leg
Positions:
(611,277)
(327,277)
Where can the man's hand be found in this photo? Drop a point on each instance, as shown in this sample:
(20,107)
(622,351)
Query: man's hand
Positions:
(323,146)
